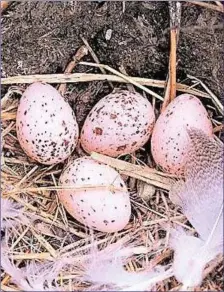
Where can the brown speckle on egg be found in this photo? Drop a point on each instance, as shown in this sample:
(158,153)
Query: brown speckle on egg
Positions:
(170,139)
(114,115)
(98,131)
(45,115)
(96,207)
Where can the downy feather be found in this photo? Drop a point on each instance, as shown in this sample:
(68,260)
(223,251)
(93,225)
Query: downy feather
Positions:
(201,198)
(31,278)
(105,270)
(12,214)
(112,276)
(123,249)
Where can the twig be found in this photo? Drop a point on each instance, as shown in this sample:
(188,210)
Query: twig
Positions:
(10,289)
(175,16)
(218,3)
(218,128)
(26,176)
(8,116)
(32,256)
(45,244)
(167,93)
(214,98)
(94,56)
(173,60)
(208,5)
(129,86)
(165,254)
(106,67)
(19,238)
(143,173)
(8,129)
(82,51)
(48,218)
(213,265)
(88,77)
(53,188)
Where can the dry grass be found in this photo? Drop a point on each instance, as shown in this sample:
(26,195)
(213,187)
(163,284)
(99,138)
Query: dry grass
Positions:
(88,77)
(35,187)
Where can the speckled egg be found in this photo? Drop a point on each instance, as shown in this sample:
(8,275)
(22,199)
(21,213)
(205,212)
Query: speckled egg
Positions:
(46,125)
(101,208)
(170,140)
(120,123)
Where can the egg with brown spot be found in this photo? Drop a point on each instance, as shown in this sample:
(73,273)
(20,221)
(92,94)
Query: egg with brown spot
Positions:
(120,123)
(170,140)
(46,125)
(101,200)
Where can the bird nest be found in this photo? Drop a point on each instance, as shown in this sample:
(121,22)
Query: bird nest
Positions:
(46,233)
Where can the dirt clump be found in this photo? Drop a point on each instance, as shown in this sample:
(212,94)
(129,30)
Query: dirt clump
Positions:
(40,37)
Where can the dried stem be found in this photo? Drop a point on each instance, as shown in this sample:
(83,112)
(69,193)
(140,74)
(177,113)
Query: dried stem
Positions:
(127,78)
(214,98)
(95,58)
(175,16)
(10,289)
(53,188)
(8,116)
(143,173)
(31,256)
(48,218)
(173,60)
(218,128)
(208,5)
(82,51)
(219,3)
(88,77)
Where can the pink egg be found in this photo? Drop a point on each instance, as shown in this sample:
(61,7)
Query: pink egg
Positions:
(46,125)
(100,208)
(170,140)
(120,123)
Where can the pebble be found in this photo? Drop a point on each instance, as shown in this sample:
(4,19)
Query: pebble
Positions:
(108,34)
(145,191)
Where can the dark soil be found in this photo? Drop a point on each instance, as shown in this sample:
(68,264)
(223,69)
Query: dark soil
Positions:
(41,37)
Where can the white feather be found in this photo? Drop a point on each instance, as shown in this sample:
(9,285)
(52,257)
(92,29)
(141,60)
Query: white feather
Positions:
(113,276)
(123,249)
(30,278)
(151,279)
(13,214)
(201,200)
(39,278)
(13,271)
(105,269)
